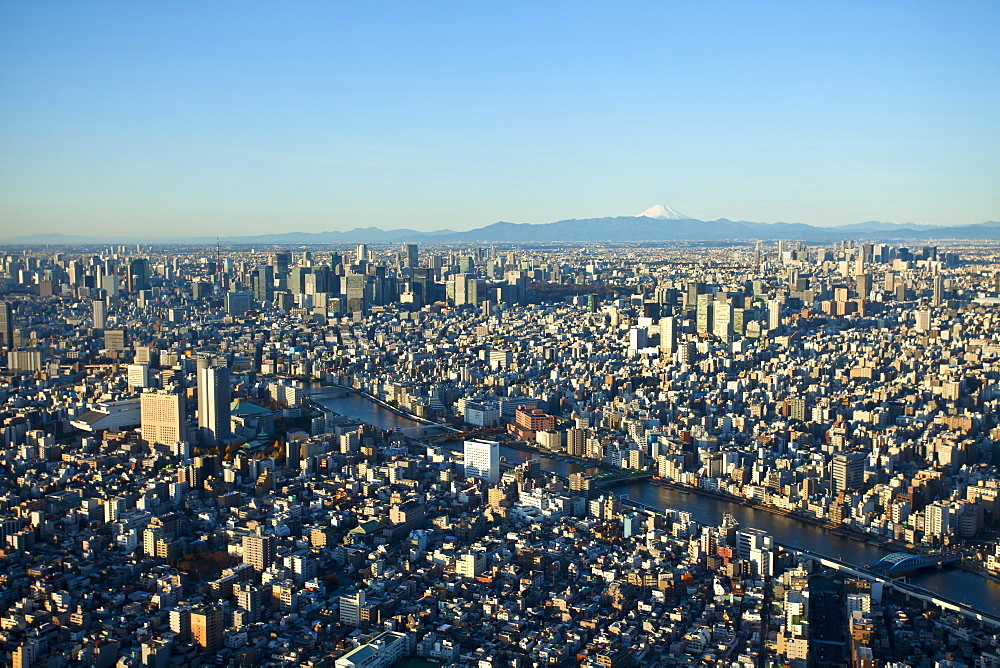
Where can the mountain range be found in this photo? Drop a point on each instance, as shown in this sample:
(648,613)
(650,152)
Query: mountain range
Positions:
(658,223)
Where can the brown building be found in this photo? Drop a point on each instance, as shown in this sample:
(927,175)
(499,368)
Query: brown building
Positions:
(162,417)
(206,627)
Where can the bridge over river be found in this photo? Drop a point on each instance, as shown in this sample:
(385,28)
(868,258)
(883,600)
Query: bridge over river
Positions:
(904,563)
(969,589)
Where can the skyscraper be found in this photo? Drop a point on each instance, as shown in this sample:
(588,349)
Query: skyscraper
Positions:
(138,274)
(848,471)
(410,255)
(482,460)
(362,253)
(213,402)
(668,335)
(938,296)
(262,282)
(162,417)
(6,325)
(100,320)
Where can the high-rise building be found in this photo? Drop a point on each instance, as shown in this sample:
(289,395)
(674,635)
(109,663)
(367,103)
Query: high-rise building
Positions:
(923,320)
(358,293)
(482,460)
(206,627)
(6,325)
(238,303)
(703,313)
(848,471)
(410,255)
(162,417)
(938,296)
(213,402)
(109,284)
(668,335)
(115,339)
(100,318)
(251,597)
(937,519)
(262,283)
(259,551)
(138,376)
(351,606)
(138,275)
(722,320)
(362,253)
(282,260)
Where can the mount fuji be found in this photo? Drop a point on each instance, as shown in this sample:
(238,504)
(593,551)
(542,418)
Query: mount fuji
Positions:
(662,212)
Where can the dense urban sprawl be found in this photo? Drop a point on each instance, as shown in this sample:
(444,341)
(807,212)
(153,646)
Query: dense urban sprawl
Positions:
(175,492)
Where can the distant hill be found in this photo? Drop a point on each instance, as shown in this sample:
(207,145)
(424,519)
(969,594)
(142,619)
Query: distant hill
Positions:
(658,223)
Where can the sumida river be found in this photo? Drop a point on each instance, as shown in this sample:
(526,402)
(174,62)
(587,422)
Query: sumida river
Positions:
(952,583)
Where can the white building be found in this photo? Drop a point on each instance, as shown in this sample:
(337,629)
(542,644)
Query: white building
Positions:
(482,460)
(385,649)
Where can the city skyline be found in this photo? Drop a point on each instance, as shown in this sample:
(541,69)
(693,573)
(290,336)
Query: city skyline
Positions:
(314,117)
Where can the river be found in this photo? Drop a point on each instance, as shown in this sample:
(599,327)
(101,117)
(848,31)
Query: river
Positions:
(952,583)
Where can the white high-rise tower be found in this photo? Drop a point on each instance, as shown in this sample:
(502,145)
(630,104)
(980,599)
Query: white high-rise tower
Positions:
(482,460)
(213,402)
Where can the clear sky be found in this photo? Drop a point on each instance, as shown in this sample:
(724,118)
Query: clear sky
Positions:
(253,117)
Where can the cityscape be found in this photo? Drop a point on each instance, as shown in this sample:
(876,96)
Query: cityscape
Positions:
(441,334)
(757,454)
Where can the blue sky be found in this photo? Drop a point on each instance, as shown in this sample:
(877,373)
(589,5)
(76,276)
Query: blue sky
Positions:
(250,117)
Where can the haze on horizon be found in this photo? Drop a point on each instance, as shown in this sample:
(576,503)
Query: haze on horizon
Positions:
(248,118)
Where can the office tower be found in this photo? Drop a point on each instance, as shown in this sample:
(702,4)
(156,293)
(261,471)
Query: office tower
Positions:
(863,285)
(282,260)
(722,320)
(297,279)
(638,338)
(6,325)
(923,320)
(773,313)
(362,253)
(466,290)
(213,402)
(258,551)
(938,290)
(262,283)
(115,339)
(138,275)
(24,360)
(694,288)
(100,318)
(703,319)
(206,627)
(358,297)
(410,255)
(110,285)
(138,376)
(351,606)
(482,460)
(238,303)
(318,281)
(161,416)
(848,471)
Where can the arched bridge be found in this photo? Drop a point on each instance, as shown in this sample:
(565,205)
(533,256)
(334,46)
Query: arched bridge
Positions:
(900,563)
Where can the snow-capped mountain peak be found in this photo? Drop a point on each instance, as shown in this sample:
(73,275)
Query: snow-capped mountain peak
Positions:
(662,212)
